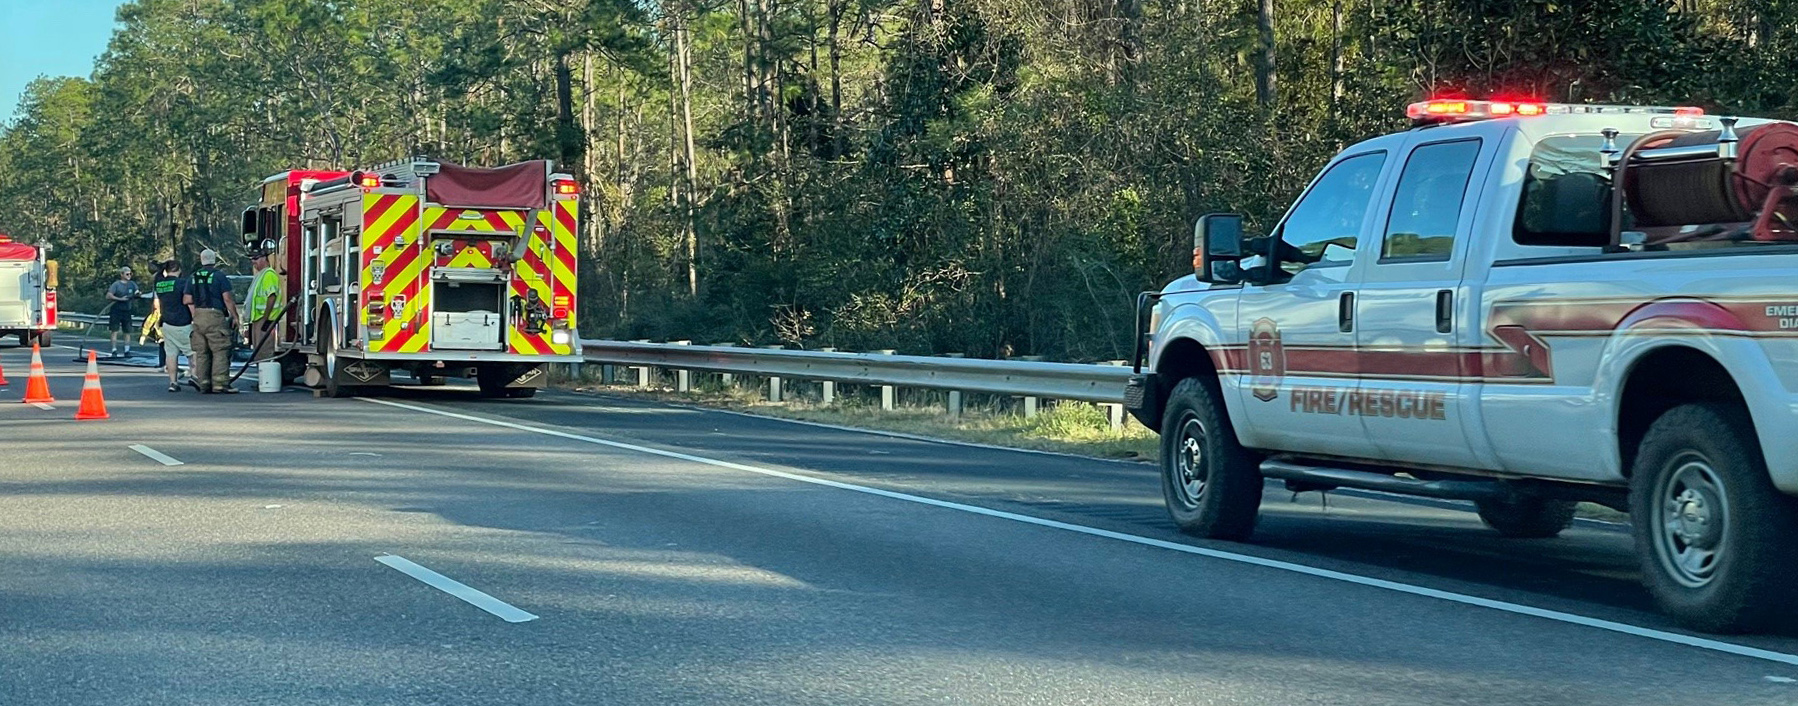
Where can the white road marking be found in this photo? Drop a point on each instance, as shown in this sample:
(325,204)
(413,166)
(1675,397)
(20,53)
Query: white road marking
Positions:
(44,405)
(1450,596)
(159,456)
(1782,680)
(504,610)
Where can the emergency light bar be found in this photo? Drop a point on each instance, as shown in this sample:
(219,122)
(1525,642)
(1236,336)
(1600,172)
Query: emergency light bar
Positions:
(1451,110)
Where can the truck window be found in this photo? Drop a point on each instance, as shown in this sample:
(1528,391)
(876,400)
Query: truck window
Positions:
(1426,209)
(1565,193)
(1325,225)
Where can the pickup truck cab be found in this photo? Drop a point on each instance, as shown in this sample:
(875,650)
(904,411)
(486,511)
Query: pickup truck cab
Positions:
(1470,310)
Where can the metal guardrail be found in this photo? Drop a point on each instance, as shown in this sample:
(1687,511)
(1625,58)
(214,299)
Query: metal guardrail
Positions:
(1023,378)
(1065,381)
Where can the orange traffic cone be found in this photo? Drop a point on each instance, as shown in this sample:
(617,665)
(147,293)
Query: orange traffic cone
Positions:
(37,385)
(93,405)
(3,382)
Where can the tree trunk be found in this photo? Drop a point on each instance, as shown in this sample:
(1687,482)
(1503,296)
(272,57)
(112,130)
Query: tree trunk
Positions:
(836,79)
(683,51)
(1265,88)
(1336,58)
(570,141)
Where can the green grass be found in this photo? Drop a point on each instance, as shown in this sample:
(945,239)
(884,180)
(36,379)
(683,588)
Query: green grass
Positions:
(1067,427)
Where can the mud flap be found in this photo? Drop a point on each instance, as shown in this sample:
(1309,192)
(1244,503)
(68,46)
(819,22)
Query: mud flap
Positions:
(360,373)
(533,377)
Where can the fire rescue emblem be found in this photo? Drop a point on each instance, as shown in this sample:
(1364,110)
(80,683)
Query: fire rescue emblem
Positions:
(1267,360)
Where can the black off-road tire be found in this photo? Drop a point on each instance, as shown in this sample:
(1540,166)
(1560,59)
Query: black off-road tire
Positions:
(1211,484)
(1527,517)
(1699,480)
(492,380)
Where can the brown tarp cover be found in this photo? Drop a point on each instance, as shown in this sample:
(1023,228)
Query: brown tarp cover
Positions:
(524,185)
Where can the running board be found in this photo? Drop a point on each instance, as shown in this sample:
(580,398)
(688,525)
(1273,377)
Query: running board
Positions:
(1306,477)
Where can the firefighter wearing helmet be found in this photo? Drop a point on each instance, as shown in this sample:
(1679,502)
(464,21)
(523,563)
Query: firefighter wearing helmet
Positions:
(266,306)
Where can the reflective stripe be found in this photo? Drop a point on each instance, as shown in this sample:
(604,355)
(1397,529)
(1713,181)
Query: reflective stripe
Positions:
(263,292)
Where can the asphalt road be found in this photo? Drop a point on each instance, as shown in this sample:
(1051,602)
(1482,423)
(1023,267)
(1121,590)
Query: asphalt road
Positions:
(662,555)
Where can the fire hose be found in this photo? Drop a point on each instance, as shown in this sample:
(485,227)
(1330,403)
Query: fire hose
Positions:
(267,324)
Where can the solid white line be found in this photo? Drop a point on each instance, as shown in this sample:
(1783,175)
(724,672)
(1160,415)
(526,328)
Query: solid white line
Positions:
(44,405)
(1464,599)
(504,610)
(161,457)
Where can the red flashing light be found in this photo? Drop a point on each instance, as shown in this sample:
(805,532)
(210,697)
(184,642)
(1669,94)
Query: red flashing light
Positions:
(561,312)
(1459,110)
(366,180)
(567,187)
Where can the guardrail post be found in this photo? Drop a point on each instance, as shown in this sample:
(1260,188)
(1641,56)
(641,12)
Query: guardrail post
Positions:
(727,379)
(955,395)
(608,374)
(1115,411)
(683,378)
(643,377)
(889,396)
(830,386)
(774,380)
(1031,404)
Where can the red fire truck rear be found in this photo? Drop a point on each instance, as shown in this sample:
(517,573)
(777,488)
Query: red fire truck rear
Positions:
(27,292)
(425,267)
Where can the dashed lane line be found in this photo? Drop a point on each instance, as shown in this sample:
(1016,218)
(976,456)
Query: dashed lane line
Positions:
(468,594)
(1394,586)
(158,456)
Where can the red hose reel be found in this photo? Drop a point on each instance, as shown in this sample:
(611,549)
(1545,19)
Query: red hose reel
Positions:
(1755,189)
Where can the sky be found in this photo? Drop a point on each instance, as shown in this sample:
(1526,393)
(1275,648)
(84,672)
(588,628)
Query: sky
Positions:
(49,37)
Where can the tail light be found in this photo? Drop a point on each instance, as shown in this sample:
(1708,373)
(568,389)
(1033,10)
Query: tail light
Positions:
(49,308)
(567,187)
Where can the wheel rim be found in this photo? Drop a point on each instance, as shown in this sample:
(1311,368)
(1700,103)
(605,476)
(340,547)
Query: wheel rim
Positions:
(1690,521)
(1190,473)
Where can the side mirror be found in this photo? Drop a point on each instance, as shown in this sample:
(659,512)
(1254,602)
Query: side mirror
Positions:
(1217,245)
(248,232)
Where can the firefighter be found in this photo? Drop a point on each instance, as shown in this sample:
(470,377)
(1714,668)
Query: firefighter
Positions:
(177,323)
(209,299)
(265,304)
(121,294)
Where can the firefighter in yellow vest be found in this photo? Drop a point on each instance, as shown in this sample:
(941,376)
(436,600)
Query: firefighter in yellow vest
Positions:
(265,306)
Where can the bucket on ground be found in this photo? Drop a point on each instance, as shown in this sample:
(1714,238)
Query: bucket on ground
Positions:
(268,376)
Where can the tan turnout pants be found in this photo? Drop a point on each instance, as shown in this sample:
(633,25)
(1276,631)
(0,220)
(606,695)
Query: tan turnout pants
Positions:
(212,349)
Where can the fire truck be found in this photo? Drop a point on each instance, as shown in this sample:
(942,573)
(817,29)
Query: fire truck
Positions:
(27,292)
(424,267)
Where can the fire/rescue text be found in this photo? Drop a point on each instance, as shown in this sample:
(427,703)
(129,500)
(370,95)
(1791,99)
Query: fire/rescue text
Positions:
(1385,403)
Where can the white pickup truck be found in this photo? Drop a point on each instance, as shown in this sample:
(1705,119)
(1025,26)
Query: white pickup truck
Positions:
(1524,305)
